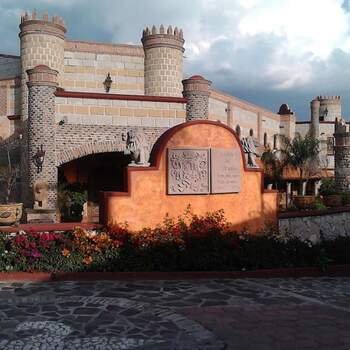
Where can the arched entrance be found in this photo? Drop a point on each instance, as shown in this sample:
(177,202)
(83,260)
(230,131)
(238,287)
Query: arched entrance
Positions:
(89,175)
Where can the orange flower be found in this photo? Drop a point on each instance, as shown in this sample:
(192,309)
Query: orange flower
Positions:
(65,252)
(87,260)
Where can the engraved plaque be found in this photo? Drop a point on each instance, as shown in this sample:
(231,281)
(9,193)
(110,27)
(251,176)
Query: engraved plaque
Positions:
(225,170)
(188,171)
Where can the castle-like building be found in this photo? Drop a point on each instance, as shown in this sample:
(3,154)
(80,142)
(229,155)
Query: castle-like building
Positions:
(70,108)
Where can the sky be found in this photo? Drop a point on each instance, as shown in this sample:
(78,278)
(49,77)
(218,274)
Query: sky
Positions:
(268,52)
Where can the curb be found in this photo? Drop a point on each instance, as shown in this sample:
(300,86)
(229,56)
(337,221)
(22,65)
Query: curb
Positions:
(331,271)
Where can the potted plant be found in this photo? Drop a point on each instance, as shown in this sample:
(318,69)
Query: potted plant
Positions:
(329,193)
(301,153)
(10,213)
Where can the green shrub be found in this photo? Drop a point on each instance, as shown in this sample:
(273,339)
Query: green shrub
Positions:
(327,187)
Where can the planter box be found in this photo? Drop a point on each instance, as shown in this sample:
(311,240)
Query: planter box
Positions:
(304,202)
(333,200)
(10,214)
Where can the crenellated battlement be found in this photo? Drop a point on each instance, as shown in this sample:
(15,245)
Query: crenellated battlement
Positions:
(163,37)
(33,23)
(170,31)
(45,17)
(322,98)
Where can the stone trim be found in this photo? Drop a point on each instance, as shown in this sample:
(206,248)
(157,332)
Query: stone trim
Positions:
(106,96)
(298,214)
(42,75)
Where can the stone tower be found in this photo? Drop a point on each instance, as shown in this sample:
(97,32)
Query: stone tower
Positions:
(328,108)
(197,92)
(163,61)
(42,42)
(342,157)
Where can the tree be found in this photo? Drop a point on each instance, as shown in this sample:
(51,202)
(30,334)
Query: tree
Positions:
(301,153)
(8,174)
(274,163)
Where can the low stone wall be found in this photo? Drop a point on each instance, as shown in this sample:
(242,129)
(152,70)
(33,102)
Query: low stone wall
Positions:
(311,225)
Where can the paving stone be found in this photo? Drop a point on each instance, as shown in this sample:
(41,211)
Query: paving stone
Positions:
(306,313)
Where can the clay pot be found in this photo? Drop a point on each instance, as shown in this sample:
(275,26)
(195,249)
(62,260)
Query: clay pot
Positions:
(332,200)
(304,202)
(10,214)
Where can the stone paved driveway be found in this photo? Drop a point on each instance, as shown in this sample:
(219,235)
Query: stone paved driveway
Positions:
(305,313)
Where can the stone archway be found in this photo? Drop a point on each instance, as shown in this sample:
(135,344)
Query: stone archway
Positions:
(69,154)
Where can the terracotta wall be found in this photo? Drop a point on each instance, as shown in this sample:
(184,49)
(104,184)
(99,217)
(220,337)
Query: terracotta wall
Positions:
(146,202)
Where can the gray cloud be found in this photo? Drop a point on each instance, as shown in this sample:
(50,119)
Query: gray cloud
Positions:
(253,67)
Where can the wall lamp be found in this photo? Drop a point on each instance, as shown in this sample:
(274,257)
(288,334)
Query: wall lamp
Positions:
(108,82)
(39,159)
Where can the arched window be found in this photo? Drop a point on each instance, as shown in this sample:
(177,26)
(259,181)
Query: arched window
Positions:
(265,139)
(238,131)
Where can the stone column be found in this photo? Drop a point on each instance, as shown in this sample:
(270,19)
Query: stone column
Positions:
(342,157)
(289,193)
(42,85)
(197,92)
(315,118)
(260,133)
(317,187)
(304,188)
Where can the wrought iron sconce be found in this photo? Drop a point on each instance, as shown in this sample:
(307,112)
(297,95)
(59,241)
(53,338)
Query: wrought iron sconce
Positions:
(39,159)
(108,82)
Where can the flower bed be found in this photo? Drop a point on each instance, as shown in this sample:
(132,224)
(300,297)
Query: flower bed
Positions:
(191,243)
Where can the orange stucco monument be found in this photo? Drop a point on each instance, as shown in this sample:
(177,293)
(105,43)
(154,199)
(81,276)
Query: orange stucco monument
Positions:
(198,163)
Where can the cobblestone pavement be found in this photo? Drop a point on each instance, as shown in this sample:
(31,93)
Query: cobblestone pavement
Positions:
(305,313)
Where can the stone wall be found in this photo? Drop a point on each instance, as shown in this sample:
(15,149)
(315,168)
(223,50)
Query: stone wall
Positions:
(218,110)
(10,66)
(89,111)
(234,111)
(86,66)
(330,224)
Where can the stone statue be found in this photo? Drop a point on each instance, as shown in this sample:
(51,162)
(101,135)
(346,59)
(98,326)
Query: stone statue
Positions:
(250,149)
(40,189)
(138,147)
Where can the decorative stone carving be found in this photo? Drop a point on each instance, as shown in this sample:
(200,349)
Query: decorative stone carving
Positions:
(188,171)
(138,147)
(40,191)
(225,170)
(249,148)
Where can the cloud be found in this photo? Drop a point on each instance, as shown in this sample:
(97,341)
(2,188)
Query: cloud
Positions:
(266,51)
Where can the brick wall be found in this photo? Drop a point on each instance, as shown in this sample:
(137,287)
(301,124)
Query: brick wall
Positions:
(41,131)
(3,100)
(75,141)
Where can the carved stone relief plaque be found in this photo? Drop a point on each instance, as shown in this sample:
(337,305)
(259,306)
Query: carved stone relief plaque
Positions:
(188,171)
(225,170)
